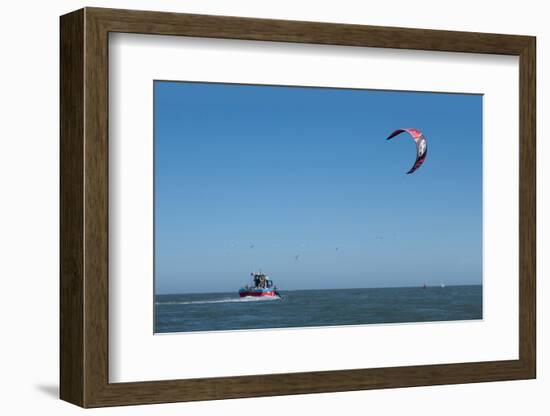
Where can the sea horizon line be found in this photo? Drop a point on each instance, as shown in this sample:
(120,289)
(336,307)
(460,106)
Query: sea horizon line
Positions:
(318,289)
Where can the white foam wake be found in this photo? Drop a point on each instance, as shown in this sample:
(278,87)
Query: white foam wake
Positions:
(224,300)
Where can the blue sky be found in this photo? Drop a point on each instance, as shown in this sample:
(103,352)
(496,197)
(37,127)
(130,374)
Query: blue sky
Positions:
(301,183)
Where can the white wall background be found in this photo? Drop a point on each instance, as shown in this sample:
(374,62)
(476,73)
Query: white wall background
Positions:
(29,189)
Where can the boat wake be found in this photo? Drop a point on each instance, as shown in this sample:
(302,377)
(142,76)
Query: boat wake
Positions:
(224,300)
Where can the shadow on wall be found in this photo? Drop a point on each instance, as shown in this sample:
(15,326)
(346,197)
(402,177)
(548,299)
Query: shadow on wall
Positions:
(48,389)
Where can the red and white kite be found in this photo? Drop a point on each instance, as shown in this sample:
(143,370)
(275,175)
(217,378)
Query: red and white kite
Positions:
(421,145)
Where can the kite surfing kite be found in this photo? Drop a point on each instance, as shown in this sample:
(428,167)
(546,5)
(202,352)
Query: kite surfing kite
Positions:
(421,145)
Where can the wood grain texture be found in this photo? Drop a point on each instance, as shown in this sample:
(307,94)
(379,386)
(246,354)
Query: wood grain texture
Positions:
(96,208)
(71,100)
(84,207)
(527,208)
(162,23)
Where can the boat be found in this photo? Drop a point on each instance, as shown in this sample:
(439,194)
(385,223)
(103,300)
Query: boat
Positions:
(262,286)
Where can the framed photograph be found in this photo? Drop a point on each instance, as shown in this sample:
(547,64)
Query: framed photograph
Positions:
(255,207)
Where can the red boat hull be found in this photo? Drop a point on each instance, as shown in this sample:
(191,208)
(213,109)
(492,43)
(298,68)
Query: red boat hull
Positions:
(257,294)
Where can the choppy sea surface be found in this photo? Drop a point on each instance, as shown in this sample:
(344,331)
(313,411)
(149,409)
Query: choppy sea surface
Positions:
(313,308)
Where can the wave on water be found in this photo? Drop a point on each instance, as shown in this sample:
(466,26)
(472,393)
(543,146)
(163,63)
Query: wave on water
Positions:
(224,300)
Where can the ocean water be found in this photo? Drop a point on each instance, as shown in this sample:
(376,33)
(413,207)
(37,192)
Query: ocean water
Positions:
(313,308)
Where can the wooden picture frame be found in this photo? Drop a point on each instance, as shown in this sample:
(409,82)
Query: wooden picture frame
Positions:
(84,207)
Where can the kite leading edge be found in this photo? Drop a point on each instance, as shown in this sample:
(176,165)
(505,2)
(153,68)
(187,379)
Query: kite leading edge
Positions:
(421,145)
